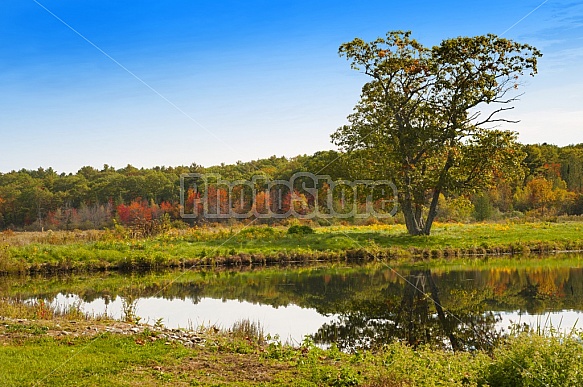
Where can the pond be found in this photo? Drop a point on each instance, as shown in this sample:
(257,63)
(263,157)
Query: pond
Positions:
(462,306)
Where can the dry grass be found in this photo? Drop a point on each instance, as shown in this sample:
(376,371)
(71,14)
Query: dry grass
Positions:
(26,238)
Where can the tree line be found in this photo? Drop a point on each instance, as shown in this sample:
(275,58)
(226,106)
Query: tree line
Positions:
(552,184)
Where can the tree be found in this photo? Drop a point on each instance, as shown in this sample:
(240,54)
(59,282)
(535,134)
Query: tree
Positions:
(419,121)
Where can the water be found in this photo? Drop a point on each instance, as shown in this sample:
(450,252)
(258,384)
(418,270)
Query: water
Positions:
(350,305)
(289,323)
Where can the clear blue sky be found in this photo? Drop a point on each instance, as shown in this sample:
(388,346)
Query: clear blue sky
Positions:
(242,80)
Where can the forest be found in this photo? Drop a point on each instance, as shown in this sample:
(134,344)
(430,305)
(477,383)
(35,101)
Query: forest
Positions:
(551,185)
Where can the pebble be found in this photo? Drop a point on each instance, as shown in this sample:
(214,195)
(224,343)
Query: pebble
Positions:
(184,337)
(180,336)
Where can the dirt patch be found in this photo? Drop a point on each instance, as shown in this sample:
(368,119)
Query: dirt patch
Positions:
(208,368)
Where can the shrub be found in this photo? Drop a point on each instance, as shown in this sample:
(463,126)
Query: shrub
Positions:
(534,360)
(300,229)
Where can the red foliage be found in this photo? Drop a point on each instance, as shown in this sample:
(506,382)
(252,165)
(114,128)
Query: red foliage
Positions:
(218,200)
(261,202)
(138,209)
(192,200)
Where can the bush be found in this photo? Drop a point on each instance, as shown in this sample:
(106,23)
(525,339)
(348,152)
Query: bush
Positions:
(535,360)
(258,232)
(300,229)
(454,209)
(576,208)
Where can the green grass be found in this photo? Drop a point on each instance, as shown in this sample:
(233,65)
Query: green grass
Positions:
(106,360)
(260,245)
(526,359)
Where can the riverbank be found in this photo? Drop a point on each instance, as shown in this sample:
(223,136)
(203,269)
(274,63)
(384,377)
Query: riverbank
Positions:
(259,245)
(113,250)
(68,349)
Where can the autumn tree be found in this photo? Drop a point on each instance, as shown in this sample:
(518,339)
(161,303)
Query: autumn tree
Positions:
(572,167)
(421,120)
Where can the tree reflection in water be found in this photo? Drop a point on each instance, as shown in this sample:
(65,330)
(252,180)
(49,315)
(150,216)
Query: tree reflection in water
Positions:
(374,304)
(417,318)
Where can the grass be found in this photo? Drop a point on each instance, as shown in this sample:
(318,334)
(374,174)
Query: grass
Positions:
(106,360)
(94,251)
(32,354)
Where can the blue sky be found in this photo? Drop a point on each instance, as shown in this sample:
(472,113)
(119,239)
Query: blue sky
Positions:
(228,80)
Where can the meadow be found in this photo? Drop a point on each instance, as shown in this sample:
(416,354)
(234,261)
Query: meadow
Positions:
(115,249)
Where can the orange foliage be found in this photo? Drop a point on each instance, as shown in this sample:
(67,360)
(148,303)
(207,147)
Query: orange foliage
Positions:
(138,209)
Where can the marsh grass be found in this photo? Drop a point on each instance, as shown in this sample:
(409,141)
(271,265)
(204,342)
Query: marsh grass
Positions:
(251,331)
(129,306)
(50,237)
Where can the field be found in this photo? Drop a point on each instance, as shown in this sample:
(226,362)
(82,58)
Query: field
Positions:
(115,250)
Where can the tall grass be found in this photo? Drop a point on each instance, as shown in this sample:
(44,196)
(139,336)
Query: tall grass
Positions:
(246,329)
(40,309)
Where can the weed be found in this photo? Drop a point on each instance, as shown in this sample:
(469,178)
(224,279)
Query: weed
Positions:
(43,311)
(158,324)
(529,360)
(249,330)
(129,305)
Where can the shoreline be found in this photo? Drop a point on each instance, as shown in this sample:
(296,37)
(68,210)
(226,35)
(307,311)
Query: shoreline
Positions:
(85,351)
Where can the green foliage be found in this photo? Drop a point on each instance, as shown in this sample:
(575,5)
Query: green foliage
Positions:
(98,251)
(258,232)
(533,360)
(457,209)
(483,209)
(110,362)
(28,329)
(30,356)
(39,199)
(418,121)
(300,229)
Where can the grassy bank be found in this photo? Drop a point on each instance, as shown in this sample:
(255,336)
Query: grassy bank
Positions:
(69,350)
(112,250)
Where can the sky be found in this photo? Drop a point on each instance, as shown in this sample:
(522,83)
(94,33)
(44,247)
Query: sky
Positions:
(167,83)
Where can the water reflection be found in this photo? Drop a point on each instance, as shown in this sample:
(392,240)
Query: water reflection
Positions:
(354,306)
(413,314)
(289,323)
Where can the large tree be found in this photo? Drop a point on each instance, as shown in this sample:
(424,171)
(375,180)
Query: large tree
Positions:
(419,122)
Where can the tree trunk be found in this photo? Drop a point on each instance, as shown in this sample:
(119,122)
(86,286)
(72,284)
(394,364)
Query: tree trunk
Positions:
(435,198)
(432,212)
(414,225)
